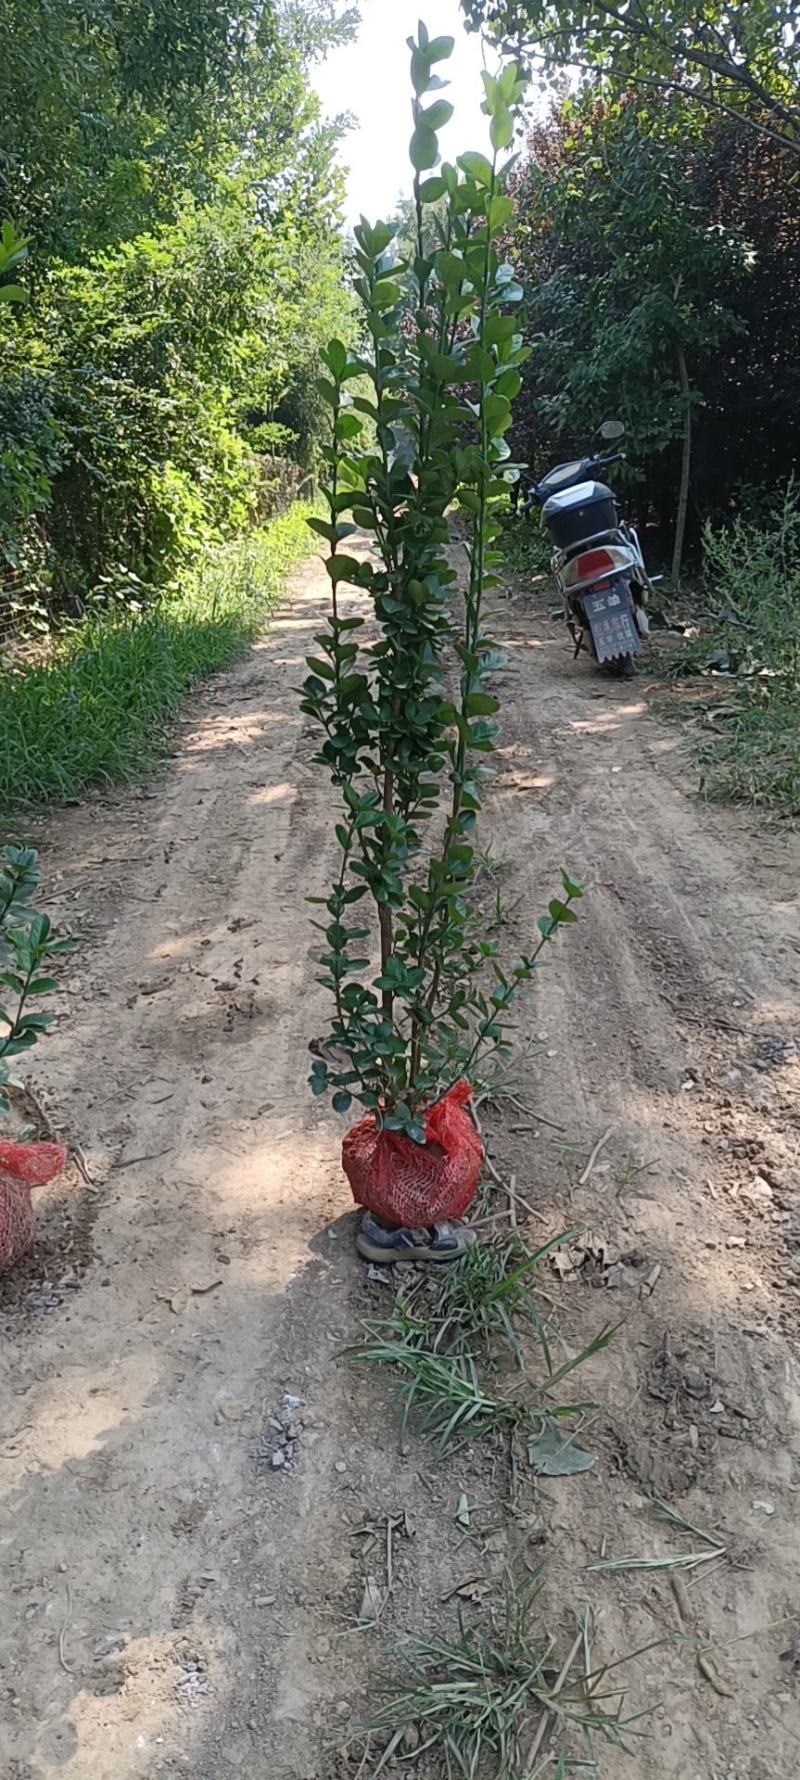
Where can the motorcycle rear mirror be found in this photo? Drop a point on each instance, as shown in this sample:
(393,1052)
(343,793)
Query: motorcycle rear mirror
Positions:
(611,430)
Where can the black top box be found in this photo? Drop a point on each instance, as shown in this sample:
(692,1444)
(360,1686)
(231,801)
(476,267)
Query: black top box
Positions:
(579,513)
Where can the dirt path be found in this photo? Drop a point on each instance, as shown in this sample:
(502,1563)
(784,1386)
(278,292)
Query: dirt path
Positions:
(174,1603)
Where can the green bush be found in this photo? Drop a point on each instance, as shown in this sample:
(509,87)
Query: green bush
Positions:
(754,572)
(750,750)
(100,707)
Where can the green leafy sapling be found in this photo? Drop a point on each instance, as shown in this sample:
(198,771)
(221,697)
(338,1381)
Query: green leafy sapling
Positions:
(28,943)
(418,458)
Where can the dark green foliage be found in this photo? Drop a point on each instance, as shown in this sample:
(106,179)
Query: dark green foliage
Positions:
(625,274)
(746,63)
(641,238)
(425,435)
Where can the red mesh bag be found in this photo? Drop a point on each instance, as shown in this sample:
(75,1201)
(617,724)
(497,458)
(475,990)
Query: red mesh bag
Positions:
(414,1184)
(22,1167)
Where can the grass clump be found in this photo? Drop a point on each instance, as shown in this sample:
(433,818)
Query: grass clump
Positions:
(100,706)
(752,754)
(434,1345)
(499,1699)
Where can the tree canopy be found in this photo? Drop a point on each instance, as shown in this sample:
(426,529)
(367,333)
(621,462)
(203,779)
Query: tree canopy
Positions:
(742,58)
(660,261)
(178,200)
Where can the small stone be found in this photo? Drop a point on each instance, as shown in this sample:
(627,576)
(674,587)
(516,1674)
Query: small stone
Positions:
(278,1459)
(695,1382)
(409,1741)
(340,1466)
(323,1648)
(114,1641)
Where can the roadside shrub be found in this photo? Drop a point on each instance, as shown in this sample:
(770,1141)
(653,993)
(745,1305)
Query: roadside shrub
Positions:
(754,570)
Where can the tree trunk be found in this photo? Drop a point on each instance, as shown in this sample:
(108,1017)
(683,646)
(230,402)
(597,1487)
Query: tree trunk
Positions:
(686,461)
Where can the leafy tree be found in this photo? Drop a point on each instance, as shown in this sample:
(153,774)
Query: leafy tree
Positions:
(112,112)
(742,59)
(182,201)
(627,274)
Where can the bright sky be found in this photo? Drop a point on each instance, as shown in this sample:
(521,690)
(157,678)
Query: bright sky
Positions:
(370,78)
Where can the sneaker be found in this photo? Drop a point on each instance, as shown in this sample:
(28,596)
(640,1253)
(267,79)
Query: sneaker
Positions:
(388,1243)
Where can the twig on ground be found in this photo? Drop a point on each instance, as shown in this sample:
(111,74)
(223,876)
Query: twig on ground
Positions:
(63,1632)
(514,1197)
(600,1145)
(547,1717)
(57,1136)
(531,1113)
(153,1156)
(512,1200)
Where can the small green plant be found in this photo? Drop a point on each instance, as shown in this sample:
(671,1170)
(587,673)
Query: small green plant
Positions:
(478,1300)
(438,1350)
(28,943)
(408,720)
(500,1699)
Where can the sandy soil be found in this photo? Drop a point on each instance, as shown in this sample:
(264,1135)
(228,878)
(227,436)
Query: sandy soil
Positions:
(175,1605)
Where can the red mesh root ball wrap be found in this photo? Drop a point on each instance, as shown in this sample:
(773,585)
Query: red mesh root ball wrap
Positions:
(411,1183)
(22,1167)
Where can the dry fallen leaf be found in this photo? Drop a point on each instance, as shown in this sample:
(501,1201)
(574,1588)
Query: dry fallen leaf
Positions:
(475,1589)
(372,1601)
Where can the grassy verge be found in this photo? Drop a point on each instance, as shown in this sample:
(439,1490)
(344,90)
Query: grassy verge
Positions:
(747,731)
(752,755)
(99,708)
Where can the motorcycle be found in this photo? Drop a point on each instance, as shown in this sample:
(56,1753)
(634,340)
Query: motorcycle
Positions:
(597,561)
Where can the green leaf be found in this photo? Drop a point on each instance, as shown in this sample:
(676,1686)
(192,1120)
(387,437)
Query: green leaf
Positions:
(572,889)
(497,413)
(325,529)
(476,167)
(423,148)
(480,704)
(554,1456)
(501,128)
(499,327)
(431,189)
(437,115)
(337,357)
(440,49)
(342,568)
(500,211)
(508,384)
(560,913)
